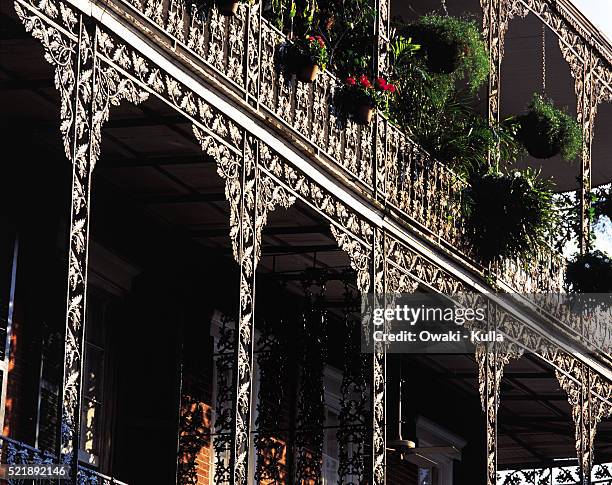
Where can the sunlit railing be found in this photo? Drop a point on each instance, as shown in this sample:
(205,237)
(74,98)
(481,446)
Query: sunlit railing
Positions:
(14,452)
(568,475)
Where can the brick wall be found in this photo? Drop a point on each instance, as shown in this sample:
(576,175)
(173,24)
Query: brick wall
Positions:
(195,446)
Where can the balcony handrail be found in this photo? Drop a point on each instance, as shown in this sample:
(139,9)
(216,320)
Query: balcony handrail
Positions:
(13,452)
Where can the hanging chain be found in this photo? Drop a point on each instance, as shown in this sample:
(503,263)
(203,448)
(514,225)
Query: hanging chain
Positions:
(543,58)
(443,2)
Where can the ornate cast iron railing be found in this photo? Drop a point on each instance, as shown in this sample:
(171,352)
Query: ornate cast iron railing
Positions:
(271,443)
(310,418)
(240,55)
(14,452)
(351,432)
(569,475)
(224,365)
(380,159)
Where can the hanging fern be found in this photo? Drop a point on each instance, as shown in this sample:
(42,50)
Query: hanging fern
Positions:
(451,46)
(508,214)
(546,130)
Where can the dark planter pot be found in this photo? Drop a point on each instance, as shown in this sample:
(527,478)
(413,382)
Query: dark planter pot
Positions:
(363,114)
(535,138)
(306,71)
(228,8)
(441,57)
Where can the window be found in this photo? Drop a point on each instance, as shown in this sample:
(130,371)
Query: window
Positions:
(428,476)
(93,396)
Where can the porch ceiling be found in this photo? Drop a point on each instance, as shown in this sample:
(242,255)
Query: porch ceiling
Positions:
(534,419)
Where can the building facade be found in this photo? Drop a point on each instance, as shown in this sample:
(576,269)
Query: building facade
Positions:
(133,349)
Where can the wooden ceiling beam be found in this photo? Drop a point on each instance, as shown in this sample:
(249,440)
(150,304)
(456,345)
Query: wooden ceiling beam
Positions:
(181,198)
(154,161)
(268,231)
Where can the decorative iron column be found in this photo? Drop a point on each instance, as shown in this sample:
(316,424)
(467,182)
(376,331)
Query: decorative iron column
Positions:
(489,379)
(586,111)
(489,385)
(377,474)
(87,88)
(379,365)
(585,428)
(251,195)
(380,65)
(492,359)
(587,394)
(381,34)
(493,30)
(247,255)
(495,17)
(83,151)
(579,394)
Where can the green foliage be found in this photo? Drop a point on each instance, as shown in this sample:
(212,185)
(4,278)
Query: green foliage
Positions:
(445,123)
(451,46)
(347,26)
(432,106)
(402,49)
(508,214)
(546,130)
(590,273)
(293,15)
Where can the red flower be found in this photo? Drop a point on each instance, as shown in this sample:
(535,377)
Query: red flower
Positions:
(381,83)
(351,81)
(365,82)
(321,43)
(391,88)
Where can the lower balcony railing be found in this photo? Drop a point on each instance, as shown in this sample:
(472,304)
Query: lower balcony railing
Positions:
(14,452)
(567,475)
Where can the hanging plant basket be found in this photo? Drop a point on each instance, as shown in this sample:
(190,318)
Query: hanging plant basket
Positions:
(507,214)
(546,131)
(360,97)
(307,57)
(450,46)
(590,273)
(442,55)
